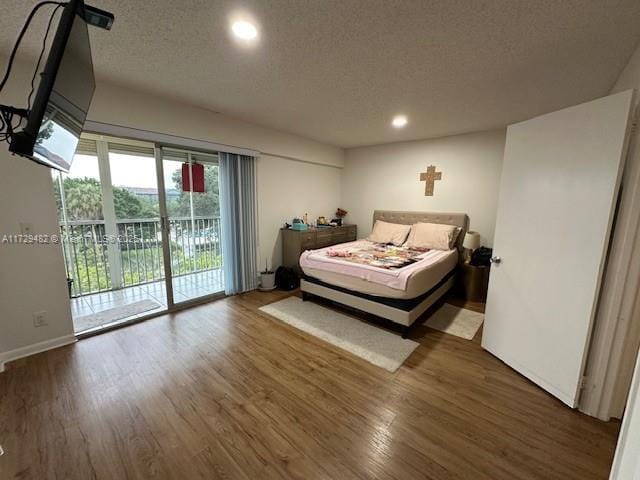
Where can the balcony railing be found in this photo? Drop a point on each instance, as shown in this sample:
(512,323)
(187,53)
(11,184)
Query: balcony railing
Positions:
(97,262)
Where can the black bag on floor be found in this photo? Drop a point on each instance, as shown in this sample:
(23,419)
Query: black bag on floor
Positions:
(287,279)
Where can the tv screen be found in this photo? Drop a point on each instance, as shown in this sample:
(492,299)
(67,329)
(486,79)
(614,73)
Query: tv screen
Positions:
(66,110)
(64,95)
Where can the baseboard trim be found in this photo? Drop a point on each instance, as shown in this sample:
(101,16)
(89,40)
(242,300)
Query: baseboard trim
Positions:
(11,355)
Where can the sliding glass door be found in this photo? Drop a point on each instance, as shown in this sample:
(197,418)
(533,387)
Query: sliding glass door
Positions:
(108,211)
(136,208)
(191,194)
(136,238)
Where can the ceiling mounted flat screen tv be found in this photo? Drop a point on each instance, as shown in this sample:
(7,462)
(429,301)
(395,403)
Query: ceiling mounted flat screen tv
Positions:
(62,101)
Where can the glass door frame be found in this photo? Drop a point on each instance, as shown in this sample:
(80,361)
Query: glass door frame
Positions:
(106,242)
(165,227)
(104,171)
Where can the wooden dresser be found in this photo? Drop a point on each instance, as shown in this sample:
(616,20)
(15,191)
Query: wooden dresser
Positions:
(295,242)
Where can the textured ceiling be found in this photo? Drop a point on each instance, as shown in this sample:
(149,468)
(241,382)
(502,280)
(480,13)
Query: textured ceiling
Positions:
(338,70)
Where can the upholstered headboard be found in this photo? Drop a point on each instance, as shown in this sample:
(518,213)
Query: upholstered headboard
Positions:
(409,218)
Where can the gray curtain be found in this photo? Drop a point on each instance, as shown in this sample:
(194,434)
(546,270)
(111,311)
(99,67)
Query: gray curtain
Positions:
(239,222)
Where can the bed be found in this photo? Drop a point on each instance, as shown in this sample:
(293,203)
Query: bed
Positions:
(401,295)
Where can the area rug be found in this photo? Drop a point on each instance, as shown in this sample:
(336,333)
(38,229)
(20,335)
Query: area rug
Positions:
(114,314)
(382,348)
(456,321)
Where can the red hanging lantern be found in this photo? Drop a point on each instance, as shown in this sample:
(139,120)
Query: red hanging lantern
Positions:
(196,178)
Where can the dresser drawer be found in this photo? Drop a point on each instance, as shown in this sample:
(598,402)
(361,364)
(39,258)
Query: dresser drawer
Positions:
(324,238)
(352,232)
(341,236)
(308,240)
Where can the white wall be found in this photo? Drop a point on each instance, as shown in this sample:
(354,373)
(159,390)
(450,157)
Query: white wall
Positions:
(388,177)
(120,106)
(289,189)
(32,277)
(295,175)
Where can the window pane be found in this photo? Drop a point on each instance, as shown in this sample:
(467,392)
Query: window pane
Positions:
(78,196)
(82,190)
(135,186)
(137,208)
(177,200)
(207,204)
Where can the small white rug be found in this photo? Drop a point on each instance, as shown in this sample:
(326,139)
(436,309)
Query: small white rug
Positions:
(113,314)
(456,321)
(375,345)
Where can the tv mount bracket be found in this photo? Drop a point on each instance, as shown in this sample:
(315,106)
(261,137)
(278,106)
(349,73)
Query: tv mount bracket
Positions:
(21,112)
(7,112)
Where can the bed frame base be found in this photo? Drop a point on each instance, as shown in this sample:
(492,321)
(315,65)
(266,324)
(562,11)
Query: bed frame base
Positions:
(404,318)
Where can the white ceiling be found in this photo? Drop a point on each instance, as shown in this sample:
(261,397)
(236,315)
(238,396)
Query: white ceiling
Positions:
(338,70)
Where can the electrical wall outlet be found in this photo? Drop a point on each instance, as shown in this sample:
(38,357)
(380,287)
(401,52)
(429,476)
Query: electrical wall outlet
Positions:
(39,319)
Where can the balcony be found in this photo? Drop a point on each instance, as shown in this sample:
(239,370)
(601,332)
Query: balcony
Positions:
(116,280)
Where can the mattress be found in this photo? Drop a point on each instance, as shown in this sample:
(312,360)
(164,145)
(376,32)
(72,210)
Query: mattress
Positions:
(424,276)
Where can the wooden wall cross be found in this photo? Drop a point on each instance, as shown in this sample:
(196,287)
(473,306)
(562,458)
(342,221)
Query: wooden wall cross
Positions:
(430,176)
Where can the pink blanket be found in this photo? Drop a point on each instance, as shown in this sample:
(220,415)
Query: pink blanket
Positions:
(325,259)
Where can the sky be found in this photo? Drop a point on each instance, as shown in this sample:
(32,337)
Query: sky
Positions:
(126,170)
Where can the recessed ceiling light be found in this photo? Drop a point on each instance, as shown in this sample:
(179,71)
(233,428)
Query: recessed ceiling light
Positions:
(244,30)
(399,121)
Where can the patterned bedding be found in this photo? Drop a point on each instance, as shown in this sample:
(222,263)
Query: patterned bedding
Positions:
(377,255)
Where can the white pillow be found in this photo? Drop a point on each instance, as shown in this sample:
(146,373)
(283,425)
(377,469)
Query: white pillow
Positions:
(384,232)
(435,236)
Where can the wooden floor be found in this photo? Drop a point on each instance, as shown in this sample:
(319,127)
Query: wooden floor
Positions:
(225,391)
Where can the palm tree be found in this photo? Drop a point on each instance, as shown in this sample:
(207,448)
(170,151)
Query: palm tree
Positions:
(83,199)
